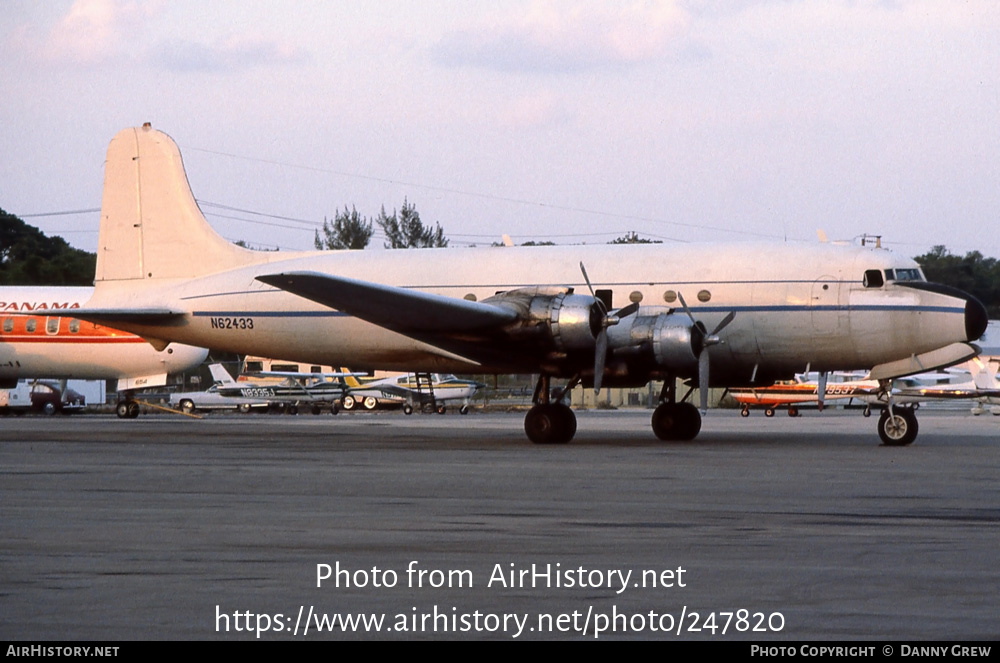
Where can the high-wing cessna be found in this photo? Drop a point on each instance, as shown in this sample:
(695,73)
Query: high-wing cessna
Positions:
(431,390)
(983,388)
(41,337)
(289,389)
(803,391)
(719,315)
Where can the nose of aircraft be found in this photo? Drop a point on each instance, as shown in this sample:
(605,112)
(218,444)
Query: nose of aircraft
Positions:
(975,318)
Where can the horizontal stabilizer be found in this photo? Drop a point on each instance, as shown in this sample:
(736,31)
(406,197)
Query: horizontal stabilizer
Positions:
(399,309)
(928,361)
(142,382)
(110,315)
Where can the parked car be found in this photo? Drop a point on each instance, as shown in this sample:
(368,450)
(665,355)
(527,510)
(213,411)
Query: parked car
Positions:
(47,397)
(211,399)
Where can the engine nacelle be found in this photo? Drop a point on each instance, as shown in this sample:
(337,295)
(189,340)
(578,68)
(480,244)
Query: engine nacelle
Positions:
(553,317)
(667,339)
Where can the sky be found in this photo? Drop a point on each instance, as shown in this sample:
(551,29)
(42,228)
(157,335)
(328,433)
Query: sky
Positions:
(571,122)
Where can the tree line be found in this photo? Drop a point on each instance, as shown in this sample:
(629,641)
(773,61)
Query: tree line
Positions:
(29,257)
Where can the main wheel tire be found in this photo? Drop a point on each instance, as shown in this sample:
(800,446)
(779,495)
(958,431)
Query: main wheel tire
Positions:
(899,428)
(407,409)
(369,403)
(676,422)
(550,424)
(464,409)
(348,402)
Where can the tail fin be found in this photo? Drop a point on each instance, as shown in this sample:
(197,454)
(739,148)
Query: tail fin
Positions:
(151,226)
(349,379)
(220,374)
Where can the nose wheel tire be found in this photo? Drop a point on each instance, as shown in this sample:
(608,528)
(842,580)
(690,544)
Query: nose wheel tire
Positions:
(899,428)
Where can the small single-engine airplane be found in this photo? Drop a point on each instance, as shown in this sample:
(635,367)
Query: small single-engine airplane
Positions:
(292,389)
(717,315)
(802,391)
(40,338)
(431,390)
(983,388)
(361,390)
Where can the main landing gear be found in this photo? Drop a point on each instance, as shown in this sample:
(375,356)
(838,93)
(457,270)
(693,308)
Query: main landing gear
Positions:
(673,421)
(550,421)
(127,408)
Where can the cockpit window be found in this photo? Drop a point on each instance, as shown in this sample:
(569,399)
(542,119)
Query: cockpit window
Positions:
(873,278)
(903,275)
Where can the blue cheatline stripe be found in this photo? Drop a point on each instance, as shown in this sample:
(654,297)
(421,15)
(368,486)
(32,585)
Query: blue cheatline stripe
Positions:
(700,309)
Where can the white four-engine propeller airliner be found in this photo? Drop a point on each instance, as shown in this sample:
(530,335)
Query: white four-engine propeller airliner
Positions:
(773,309)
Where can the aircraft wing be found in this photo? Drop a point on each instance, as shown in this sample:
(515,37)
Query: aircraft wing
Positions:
(399,309)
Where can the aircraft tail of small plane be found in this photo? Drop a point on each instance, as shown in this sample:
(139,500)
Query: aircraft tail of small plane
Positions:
(151,226)
(349,379)
(221,375)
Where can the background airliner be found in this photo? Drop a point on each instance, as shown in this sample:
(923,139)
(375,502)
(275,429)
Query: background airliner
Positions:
(773,309)
(40,338)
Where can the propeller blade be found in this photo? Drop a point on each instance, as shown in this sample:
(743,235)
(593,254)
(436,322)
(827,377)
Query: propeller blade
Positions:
(686,309)
(587,279)
(600,354)
(703,380)
(821,389)
(626,311)
(725,323)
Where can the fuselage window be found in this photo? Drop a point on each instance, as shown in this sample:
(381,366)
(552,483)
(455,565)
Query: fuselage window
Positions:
(31,325)
(254,366)
(74,326)
(52,325)
(873,279)
(8,325)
